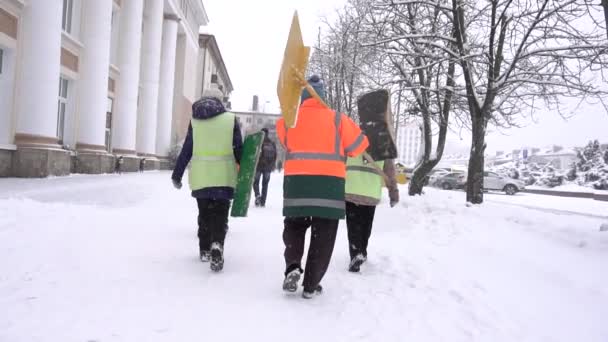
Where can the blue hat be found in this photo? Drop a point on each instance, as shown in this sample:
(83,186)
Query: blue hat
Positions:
(317,83)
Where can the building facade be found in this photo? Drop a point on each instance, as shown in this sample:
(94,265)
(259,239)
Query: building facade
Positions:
(211,73)
(251,122)
(409,144)
(82,81)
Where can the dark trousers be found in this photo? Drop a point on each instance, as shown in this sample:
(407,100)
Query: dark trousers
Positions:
(359,221)
(256,185)
(321,247)
(212,222)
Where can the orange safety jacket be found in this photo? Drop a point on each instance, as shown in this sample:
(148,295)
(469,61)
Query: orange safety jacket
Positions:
(320,142)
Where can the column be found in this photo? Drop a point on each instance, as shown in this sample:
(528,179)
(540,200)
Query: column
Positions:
(167,80)
(149,78)
(94,71)
(38,85)
(124,125)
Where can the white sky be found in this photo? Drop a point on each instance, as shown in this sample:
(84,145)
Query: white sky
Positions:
(252,36)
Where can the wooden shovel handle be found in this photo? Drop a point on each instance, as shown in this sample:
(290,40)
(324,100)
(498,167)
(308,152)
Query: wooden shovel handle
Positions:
(370,160)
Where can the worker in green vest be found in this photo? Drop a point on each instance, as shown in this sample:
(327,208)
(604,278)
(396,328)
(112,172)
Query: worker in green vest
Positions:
(213,148)
(363,192)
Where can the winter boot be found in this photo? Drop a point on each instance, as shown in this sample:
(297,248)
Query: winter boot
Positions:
(258,201)
(205,256)
(290,284)
(356,262)
(217,257)
(309,294)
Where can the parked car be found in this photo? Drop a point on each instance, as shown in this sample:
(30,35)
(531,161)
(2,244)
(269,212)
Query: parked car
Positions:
(494,181)
(434,175)
(452,180)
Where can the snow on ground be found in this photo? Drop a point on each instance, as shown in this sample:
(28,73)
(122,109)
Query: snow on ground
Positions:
(555,204)
(568,188)
(114,258)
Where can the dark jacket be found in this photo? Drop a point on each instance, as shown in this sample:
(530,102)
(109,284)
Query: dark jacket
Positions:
(268,156)
(203,109)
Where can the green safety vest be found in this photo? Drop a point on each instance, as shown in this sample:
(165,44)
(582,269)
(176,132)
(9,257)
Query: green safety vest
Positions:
(362,179)
(212,163)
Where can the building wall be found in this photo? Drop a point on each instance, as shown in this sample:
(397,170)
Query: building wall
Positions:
(191,78)
(212,67)
(9,31)
(254,121)
(560,162)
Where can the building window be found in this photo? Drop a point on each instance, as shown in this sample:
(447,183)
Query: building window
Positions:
(62,104)
(109,124)
(260,121)
(66,20)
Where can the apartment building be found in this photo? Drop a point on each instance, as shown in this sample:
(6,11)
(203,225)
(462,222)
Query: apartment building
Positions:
(409,144)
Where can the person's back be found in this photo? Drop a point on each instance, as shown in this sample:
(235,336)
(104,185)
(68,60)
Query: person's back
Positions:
(213,148)
(266,162)
(313,188)
(364,184)
(317,149)
(268,154)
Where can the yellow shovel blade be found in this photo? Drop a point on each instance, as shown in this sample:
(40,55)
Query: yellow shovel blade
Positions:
(293,69)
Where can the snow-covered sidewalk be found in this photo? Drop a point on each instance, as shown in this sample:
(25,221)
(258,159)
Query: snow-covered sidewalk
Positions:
(114,258)
(554,204)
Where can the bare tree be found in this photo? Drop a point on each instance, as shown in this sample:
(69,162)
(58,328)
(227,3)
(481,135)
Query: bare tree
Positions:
(417,41)
(341,61)
(516,53)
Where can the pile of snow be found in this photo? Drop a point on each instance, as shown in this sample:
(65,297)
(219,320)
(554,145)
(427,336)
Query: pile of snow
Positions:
(590,171)
(114,258)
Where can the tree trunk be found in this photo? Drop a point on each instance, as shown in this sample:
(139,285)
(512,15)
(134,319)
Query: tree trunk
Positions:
(605,4)
(476,160)
(417,182)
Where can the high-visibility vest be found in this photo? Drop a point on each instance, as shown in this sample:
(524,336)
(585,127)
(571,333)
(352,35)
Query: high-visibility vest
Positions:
(213,163)
(362,179)
(316,145)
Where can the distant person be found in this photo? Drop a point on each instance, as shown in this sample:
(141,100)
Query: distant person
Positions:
(268,158)
(119,163)
(363,192)
(213,147)
(313,188)
(142,164)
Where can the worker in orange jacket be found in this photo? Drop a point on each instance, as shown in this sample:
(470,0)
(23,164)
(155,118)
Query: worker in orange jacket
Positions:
(313,187)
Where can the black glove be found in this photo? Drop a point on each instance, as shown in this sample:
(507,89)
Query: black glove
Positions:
(394,197)
(176,184)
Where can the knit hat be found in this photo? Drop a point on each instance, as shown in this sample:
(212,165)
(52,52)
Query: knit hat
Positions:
(317,84)
(214,93)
